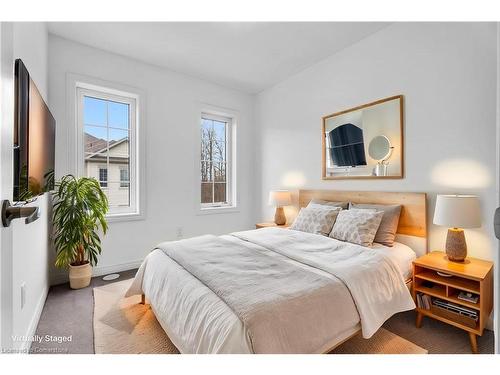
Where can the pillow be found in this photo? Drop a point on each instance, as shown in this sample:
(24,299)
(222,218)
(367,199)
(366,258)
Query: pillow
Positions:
(357,226)
(318,220)
(322,203)
(386,233)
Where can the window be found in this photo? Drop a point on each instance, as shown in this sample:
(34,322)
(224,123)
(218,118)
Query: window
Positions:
(124,181)
(215,161)
(107,122)
(103,177)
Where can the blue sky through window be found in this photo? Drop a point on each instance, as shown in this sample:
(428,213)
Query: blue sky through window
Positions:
(99,113)
(95,113)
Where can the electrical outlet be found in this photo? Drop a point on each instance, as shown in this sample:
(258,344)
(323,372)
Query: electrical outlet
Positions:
(23,295)
(180,232)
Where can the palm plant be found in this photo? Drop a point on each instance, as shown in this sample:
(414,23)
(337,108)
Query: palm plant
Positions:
(79,212)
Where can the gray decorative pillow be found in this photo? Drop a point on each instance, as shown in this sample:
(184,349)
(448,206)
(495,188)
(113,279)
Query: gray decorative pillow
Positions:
(386,233)
(322,203)
(318,220)
(357,226)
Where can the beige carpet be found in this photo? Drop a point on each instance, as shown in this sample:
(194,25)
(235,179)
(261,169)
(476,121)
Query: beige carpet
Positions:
(123,326)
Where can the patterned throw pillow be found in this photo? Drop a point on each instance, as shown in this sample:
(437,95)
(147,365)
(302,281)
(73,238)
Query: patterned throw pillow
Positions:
(318,220)
(322,203)
(357,226)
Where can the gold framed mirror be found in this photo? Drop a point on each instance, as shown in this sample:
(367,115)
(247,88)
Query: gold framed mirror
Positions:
(364,142)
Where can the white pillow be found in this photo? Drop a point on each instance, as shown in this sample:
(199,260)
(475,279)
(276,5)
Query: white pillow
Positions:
(357,226)
(318,220)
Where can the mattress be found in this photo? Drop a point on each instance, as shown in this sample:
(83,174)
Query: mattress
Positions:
(198,321)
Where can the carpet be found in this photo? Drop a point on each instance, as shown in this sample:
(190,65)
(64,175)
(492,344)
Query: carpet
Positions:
(123,326)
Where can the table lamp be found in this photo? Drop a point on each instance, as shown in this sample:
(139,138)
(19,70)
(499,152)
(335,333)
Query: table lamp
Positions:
(457,212)
(280,198)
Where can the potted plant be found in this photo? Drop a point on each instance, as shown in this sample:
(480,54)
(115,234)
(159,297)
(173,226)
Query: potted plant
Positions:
(79,213)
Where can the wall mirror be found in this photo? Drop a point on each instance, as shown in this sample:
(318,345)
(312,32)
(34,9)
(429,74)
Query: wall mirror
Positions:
(365,141)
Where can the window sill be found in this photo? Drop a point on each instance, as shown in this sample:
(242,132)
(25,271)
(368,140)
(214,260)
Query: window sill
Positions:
(118,217)
(218,210)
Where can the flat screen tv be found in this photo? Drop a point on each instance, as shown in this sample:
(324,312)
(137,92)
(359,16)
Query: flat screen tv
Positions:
(34,139)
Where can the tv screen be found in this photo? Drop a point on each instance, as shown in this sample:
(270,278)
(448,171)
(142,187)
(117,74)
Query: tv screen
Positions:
(347,148)
(34,139)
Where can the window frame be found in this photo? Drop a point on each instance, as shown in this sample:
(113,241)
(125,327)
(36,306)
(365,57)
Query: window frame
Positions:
(103,168)
(127,181)
(228,147)
(132,100)
(219,114)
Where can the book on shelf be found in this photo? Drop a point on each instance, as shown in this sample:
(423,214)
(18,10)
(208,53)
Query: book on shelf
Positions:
(419,300)
(467,296)
(424,301)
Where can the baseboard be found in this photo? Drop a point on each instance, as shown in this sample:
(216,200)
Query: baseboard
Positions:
(61,277)
(31,331)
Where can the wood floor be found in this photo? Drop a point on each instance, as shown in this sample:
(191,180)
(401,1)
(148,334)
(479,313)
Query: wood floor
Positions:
(70,312)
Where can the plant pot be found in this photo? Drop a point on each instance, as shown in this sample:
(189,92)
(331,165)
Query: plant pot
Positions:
(79,276)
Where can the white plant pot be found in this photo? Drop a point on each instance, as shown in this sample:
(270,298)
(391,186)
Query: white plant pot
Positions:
(79,276)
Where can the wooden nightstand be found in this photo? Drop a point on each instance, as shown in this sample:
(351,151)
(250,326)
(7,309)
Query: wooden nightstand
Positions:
(473,276)
(267,225)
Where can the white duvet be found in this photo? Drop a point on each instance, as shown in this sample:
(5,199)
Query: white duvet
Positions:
(198,321)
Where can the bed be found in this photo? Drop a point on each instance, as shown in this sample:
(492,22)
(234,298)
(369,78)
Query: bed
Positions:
(276,290)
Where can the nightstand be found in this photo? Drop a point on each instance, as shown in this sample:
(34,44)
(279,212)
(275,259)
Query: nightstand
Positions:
(436,296)
(270,224)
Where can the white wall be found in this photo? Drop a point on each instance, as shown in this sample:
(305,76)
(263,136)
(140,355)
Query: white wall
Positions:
(31,268)
(29,250)
(447,73)
(172,121)
(30,45)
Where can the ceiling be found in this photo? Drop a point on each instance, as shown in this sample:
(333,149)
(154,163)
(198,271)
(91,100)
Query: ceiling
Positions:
(247,56)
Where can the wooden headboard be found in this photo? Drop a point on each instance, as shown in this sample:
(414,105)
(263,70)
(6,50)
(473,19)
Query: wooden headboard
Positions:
(413,219)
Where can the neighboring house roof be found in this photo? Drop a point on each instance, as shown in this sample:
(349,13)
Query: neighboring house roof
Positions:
(96,146)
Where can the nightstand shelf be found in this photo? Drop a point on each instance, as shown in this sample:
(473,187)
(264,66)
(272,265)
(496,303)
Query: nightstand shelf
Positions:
(459,283)
(446,320)
(441,292)
(473,276)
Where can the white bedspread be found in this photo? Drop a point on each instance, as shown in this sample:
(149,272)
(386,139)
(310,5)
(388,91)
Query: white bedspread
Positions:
(374,280)
(198,321)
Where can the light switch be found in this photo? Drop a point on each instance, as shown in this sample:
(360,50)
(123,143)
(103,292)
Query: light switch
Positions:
(23,295)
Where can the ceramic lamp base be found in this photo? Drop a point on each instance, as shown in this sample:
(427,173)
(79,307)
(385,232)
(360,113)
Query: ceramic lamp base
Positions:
(279,216)
(456,247)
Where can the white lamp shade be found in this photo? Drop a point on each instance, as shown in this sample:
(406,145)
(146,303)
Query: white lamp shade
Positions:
(457,211)
(280,198)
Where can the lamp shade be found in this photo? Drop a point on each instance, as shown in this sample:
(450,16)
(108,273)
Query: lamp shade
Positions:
(457,211)
(280,198)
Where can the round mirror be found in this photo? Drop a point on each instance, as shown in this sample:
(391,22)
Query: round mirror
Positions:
(379,148)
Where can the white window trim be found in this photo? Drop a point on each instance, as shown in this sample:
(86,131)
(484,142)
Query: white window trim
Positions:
(222,114)
(229,161)
(75,82)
